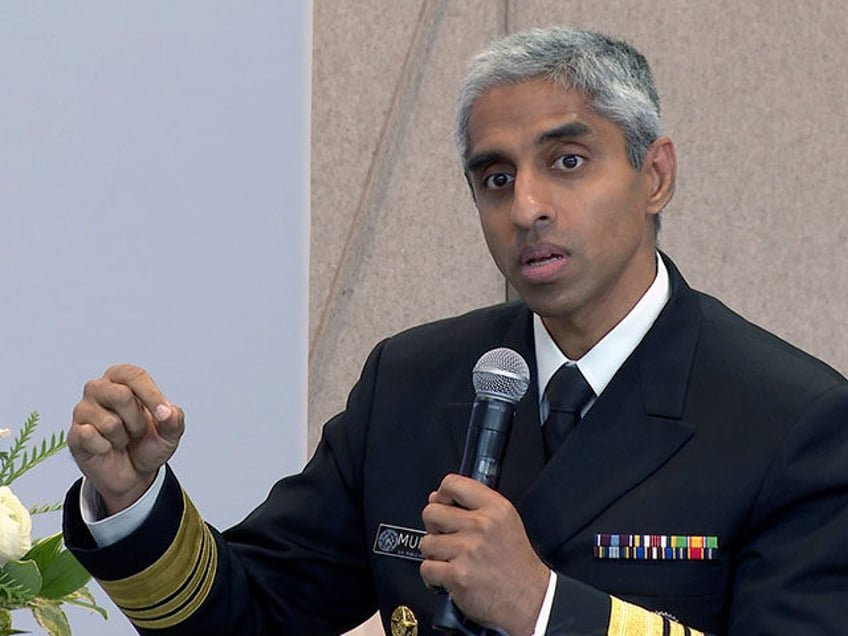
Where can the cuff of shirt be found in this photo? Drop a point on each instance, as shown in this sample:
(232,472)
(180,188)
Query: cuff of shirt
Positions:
(548,602)
(109,530)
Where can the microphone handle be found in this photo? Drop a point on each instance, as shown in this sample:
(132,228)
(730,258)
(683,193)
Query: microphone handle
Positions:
(485,443)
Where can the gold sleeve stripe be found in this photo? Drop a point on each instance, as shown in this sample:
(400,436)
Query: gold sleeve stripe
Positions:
(627,619)
(171,589)
(182,605)
(630,620)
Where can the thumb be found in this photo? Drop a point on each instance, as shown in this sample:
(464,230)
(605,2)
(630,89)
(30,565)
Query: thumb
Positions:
(170,421)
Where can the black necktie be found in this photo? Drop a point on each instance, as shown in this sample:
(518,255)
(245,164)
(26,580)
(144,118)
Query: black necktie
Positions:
(567,393)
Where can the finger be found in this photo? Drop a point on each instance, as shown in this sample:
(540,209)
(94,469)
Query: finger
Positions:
(464,492)
(435,574)
(438,496)
(115,401)
(169,418)
(86,442)
(442,518)
(143,387)
(105,423)
(171,428)
(440,547)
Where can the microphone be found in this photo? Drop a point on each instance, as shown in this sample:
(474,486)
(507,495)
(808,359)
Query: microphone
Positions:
(501,378)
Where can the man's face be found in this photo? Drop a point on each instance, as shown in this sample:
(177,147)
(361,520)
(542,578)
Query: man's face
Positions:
(567,218)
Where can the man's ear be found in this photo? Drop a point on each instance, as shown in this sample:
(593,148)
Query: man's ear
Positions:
(660,167)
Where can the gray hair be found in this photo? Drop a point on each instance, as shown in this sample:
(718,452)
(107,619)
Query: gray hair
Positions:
(614,76)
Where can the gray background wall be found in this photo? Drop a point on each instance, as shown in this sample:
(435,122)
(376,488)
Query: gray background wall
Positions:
(754,96)
(153,188)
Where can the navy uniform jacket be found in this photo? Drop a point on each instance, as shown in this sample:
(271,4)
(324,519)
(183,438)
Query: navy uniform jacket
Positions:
(713,432)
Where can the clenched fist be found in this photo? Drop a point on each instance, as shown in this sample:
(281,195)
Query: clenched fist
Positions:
(123,431)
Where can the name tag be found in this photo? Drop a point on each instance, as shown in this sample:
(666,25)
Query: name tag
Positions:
(399,542)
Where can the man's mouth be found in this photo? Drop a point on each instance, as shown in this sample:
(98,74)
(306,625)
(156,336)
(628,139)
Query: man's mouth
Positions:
(538,261)
(543,262)
(541,254)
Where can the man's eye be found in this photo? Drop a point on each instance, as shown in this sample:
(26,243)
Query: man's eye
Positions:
(569,162)
(498,181)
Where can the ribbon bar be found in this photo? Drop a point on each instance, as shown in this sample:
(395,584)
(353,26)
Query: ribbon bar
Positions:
(656,547)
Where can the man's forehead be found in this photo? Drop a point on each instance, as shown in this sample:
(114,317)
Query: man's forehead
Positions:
(544,108)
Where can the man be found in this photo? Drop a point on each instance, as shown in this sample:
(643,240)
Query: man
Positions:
(704,488)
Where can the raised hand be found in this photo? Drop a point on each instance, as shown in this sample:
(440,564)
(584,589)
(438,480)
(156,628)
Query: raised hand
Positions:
(123,431)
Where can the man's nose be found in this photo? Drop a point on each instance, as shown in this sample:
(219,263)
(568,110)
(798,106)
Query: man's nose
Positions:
(531,204)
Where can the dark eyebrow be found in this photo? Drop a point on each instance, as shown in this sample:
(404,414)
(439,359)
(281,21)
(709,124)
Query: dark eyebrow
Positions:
(478,161)
(571,130)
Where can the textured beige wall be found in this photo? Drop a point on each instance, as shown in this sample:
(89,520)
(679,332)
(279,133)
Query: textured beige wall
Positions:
(394,238)
(754,96)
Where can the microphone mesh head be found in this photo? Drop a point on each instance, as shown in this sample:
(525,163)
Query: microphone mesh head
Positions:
(501,374)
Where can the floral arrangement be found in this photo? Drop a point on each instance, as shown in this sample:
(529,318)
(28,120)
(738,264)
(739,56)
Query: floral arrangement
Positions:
(40,575)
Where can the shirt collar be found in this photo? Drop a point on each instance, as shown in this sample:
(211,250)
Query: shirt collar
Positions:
(602,361)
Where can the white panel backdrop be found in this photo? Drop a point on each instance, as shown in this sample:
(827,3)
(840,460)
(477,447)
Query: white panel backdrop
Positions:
(153,189)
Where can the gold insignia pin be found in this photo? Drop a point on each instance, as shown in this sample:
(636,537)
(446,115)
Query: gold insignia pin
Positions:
(404,622)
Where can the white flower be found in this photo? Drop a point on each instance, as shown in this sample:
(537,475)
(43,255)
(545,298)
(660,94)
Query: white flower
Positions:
(4,432)
(15,527)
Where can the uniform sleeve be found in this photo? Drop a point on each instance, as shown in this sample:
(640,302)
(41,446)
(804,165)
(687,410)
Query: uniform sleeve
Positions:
(296,565)
(581,610)
(160,573)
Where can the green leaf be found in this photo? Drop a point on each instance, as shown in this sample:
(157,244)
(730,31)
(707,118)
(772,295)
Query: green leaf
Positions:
(45,550)
(35,456)
(44,508)
(83,598)
(18,447)
(51,617)
(26,576)
(12,595)
(63,575)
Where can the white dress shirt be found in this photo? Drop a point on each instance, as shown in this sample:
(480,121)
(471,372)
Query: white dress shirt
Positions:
(598,366)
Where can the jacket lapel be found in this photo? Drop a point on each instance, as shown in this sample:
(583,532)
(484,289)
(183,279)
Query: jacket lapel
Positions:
(633,428)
